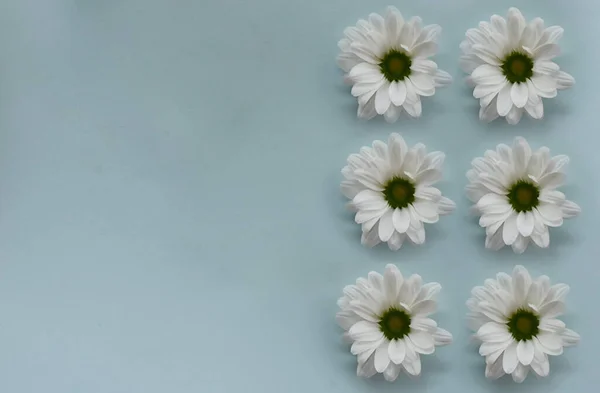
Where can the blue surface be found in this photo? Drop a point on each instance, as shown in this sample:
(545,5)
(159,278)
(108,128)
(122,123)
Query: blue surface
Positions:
(170,214)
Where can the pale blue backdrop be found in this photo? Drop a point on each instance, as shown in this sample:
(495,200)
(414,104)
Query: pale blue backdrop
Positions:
(170,217)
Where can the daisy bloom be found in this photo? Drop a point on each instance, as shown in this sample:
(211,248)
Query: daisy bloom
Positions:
(510,65)
(386,318)
(515,193)
(514,318)
(391,190)
(386,60)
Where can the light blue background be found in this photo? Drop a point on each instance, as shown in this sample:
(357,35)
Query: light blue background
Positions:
(170,214)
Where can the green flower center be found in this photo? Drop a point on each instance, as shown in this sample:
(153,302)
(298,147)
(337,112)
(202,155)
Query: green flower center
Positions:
(394,324)
(399,193)
(517,67)
(523,196)
(395,65)
(523,325)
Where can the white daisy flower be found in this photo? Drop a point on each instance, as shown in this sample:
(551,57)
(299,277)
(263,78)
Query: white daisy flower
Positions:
(390,188)
(386,320)
(515,192)
(387,61)
(515,320)
(510,65)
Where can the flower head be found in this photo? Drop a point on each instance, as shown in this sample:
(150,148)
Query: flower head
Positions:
(391,190)
(515,193)
(510,65)
(514,318)
(387,61)
(386,318)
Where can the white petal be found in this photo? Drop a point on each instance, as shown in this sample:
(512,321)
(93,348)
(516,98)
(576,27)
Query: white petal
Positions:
(521,281)
(441,78)
(525,351)
(426,211)
(370,238)
(429,33)
(545,85)
(391,372)
(520,244)
(377,21)
(547,51)
(515,24)
(428,291)
(423,342)
(396,241)
(401,219)
(519,94)
(413,109)
(564,80)
(429,177)
(570,209)
(520,373)
(386,226)
(487,92)
(551,343)
(364,216)
(551,34)
(552,309)
(366,370)
(552,180)
(551,214)
(367,110)
(392,281)
(363,311)
(359,347)
(424,49)
(504,100)
(525,223)
(423,84)
(494,242)
(487,74)
(514,115)
(541,368)
(494,370)
(413,367)
(397,148)
(382,358)
(397,92)
(442,337)
(360,70)
(485,54)
(552,325)
(393,23)
(499,25)
(570,338)
(397,351)
(423,324)
(424,66)
(509,359)
(424,307)
(521,153)
(510,230)
(491,330)
(490,112)
(494,349)
(536,110)
(382,99)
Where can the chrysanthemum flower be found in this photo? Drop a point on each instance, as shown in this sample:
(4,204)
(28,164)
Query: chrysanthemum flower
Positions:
(386,318)
(387,61)
(510,65)
(515,319)
(515,192)
(391,189)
